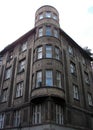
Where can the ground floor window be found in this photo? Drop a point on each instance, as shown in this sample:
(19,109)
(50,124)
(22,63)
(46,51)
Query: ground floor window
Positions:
(59,114)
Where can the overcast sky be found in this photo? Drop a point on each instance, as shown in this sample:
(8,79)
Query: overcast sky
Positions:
(17,18)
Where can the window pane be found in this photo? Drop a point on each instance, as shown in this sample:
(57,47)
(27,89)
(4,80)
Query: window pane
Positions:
(19,89)
(39,51)
(57,53)
(76,92)
(21,66)
(48,31)
(24,46)
(55,16)
(49,78)
(90,99)
(72,68)
(4,95)
(2,117)
(8,73)
(48,51)
(40,32)
(39,79)
(41,16)
(58,79)
(17,117)
(48,14)
(56,33)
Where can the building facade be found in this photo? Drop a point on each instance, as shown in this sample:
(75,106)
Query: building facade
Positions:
(46,79)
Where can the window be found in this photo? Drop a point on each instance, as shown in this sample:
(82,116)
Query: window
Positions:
(48,30)
(38,79)
(41,16)
(70,50)
(90,99)
(8,73)
(59,114)
(49,78)
(19,89)
(86,78)
(75,92)
(48,51)
(5,95)
(17,116)
(1,59)
(24,46)
(58,79)
(54,16)
(10,55)
(21,66)
(40,32)
(39,52)
(72,68)
(48,14)
(36,115)
(57,53)
(56,33)
(2,116)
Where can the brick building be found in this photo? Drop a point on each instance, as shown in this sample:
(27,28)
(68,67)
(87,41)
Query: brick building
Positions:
(46,79)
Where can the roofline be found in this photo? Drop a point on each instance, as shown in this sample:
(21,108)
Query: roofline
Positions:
(17,41)
(75,44)
(47,6)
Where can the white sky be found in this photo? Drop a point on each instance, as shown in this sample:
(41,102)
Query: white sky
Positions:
(17,18)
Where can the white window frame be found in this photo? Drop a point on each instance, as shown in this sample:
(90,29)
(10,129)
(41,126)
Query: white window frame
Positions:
(17,118)
(59,114)
(48,51)
(2,117)
(19,89)
(21,66)
(75,92)
(36,116)
(38,79)
(49,78)
(39,52)
(57,53)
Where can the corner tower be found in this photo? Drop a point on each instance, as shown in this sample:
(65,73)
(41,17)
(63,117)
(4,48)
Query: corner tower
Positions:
(47,79)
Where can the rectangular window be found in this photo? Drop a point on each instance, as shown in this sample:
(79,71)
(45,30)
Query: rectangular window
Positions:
(2,117)
(21,66)
(49,78)
(59,114)
(39,52)
(70,50)
(54,16)
(1,59)
(41,16)
(8,73)
(4,95)
(17,116)
(75,92)
(72,68)
(90,102)
(58,79)
(36,116)
(40,32)
(57,53)
(48,30)
(19,89)
(10,55)
(48,51)
(24,46)
(48,14)
(56,33)
(39,79)
(86,78)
